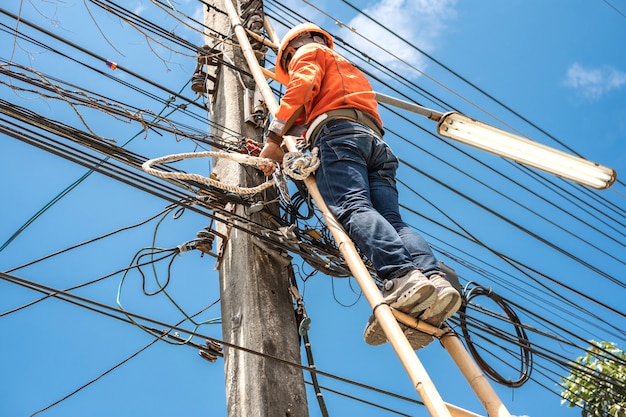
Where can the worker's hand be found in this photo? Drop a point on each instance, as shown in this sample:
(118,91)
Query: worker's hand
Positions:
(273,151)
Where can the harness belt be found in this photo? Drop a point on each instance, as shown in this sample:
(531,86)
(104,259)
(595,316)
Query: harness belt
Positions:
(352,114)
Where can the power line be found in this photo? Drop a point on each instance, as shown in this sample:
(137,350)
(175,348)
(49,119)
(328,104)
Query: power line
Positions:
(612,6)
(126,316)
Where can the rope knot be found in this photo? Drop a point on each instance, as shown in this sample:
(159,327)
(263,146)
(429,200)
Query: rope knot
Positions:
(299,165)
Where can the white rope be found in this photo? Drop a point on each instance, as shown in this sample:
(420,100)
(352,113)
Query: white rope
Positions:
(237,157)
(299,165)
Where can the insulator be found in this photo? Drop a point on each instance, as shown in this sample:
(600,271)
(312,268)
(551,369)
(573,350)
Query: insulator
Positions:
(198,82)
(204,243)
(206,355)
(208,63)
(213,345)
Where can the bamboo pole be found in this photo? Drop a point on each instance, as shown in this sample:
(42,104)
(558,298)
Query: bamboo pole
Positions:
(472,373)
(475,377)
(385,315)
(271,32)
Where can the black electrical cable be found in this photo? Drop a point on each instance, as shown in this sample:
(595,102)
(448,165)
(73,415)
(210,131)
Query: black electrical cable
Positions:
(565,363)
(90,98)
(119,364)
(310,255)
(98,57)
(95,239)
(505,219)
(370,403)
(81,285)
(588,205)
(534,349)
(515,201)
(556,326)
(568,316)
(103,59)
(525,354)
(113,312)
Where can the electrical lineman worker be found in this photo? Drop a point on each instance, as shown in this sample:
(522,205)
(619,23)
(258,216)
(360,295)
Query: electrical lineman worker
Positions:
(357,175)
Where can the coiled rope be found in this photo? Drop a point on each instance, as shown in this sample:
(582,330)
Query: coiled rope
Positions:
(237,157)
(296,165)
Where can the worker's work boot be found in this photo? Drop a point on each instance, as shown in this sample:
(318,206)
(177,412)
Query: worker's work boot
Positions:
(374,335)
(447,302)
(411,292)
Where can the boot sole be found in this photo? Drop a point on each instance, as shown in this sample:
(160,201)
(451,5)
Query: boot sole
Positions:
(375,336)
(417,298)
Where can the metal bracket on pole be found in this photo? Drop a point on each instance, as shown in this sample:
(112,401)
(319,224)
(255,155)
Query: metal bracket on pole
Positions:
(414,368)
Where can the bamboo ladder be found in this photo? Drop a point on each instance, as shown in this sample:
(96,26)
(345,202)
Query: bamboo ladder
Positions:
(387,317)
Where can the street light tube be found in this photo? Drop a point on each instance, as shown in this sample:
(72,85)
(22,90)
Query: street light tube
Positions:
(525,151)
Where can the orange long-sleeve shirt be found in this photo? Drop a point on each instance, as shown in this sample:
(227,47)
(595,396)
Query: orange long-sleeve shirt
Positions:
(321,80)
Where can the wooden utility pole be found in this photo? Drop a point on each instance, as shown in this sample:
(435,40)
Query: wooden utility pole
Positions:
(257,310)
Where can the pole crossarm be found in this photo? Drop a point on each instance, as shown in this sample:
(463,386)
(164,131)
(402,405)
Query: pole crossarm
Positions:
(411,363)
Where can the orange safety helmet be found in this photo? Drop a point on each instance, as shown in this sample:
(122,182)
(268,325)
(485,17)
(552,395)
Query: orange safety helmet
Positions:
(286,50)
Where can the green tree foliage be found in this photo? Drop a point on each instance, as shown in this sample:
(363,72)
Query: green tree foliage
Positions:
(597,382)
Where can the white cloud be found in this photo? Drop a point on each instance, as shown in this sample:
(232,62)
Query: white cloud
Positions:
(139,9)
(421,22)
(593,83)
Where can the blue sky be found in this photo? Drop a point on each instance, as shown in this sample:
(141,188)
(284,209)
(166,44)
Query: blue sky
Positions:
(557,67)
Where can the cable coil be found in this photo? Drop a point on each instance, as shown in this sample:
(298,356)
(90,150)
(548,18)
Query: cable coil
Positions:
(522,338)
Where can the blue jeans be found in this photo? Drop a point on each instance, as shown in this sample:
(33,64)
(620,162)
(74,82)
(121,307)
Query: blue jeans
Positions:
(357,178)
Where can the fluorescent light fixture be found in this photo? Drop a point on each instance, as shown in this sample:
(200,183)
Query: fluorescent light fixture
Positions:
(525,151)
